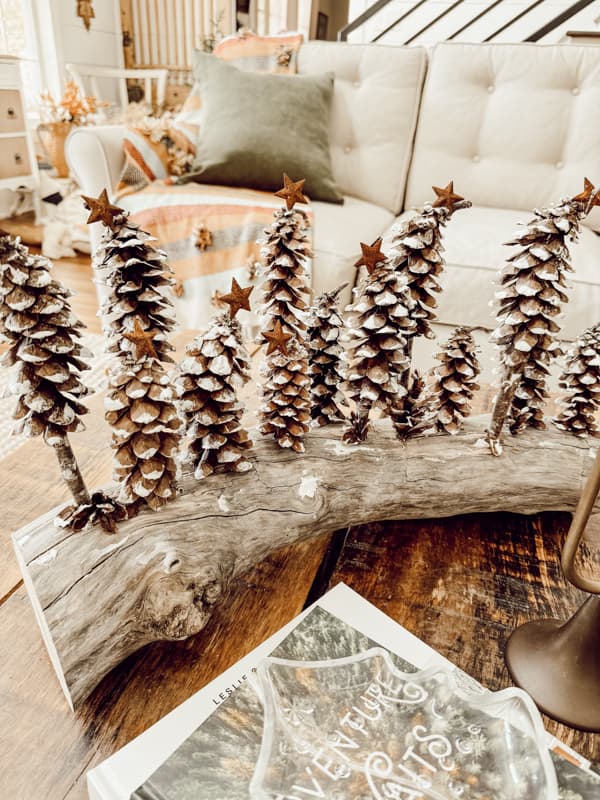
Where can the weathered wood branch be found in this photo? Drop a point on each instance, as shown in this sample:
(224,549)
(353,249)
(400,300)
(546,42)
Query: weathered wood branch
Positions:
(99,598)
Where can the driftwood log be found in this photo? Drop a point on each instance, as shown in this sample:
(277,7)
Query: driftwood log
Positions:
(99,598)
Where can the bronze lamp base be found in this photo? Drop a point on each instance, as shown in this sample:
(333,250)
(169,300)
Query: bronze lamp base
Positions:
(558,664)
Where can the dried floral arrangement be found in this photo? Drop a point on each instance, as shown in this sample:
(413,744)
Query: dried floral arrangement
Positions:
(178,430)
(73,106)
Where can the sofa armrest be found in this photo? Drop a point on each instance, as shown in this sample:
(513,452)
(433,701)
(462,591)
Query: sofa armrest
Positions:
(95,157)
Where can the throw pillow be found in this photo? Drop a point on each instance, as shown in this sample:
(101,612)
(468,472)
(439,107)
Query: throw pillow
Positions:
(248,52)
(255,127)
(153,150)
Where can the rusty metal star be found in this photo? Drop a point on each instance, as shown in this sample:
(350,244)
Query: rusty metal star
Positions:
(371,255)
(142,340)
(292,192)
(446,196)
(585,195)
(101,210)
(237,299)
(277,339)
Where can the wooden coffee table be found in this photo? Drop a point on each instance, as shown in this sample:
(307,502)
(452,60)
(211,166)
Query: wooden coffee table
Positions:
(461,584)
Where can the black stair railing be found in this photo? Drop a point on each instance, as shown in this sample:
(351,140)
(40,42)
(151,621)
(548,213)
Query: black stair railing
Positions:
(559,20)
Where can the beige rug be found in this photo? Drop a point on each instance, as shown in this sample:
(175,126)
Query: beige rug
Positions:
(94,378)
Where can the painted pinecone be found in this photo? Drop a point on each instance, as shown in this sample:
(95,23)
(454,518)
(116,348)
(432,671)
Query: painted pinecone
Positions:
(285,253)
(216,366)
(44,336)
(418,254)
(581,380)
(285,410)
(455,382)
(532,292)
(325,359)
(145,432)
(378,323)
(137,276)
(102,510)
(410,417)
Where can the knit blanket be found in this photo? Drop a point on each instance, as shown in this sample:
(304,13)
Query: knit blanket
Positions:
(210,235)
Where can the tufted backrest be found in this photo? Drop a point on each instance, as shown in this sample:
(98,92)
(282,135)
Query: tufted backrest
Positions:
(374,114)
(514,125)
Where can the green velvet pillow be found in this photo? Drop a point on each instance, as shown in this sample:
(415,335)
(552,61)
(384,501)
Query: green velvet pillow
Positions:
(257,126)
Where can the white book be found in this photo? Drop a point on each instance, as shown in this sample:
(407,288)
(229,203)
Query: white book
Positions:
(143,769)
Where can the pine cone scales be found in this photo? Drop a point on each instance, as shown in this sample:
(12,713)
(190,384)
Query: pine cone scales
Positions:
(216,366)
(409,417)
(581,380)
(285,252)
(325,351)
(285,410)
(36,318)
(145,432)
(532,291)
(378,323)
(137,276)
(418,255)
(455,382)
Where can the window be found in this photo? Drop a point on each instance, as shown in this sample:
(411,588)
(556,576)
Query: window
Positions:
(17,38)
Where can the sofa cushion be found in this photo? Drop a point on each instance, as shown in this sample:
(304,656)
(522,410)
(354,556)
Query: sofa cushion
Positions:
(337,233)
(373,116)
(514,125)
(256,127)
(475,254)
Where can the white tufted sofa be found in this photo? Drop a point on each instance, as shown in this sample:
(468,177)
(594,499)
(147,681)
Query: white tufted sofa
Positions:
(515,127)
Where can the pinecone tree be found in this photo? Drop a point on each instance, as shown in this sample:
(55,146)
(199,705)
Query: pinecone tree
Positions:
(581,380)
(418,255)
(145,425)
(409,414)
(325,358)
(531,295)
(137,277)
(379,323)
(216,366)
(285,409)
(45,348)
(455,381)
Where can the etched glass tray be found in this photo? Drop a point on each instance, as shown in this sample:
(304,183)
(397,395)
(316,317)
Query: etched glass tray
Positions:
(357,728)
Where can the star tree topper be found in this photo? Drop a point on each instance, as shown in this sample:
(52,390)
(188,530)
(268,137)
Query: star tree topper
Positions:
(101,210)
(238,299)
(446,196)
(141,340)
(277,339)
(291,192)
(371,255)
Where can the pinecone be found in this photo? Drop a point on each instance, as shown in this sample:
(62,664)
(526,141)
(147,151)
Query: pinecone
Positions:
(137,276)
(581,380)
(285,410)
(325,358)
(145,431)
(410,416)
(455,382)
(418,255)
(286,402)
(533,290)
(216,366)
(102,510)
(44,334)
(378,326)
(285,252)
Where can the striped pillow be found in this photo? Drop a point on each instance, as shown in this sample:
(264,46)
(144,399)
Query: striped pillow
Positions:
(246,51)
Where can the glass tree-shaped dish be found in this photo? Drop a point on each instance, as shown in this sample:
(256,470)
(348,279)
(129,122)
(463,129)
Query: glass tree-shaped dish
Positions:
(357,728)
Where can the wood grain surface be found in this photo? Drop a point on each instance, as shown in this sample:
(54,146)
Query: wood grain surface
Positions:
(463,585)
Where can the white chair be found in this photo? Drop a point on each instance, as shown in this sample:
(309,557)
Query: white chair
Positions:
(84,74)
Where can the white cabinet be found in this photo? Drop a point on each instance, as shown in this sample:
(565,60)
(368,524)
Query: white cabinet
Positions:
(18,167)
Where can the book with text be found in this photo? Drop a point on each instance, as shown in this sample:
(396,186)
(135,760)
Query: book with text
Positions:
(344,703)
